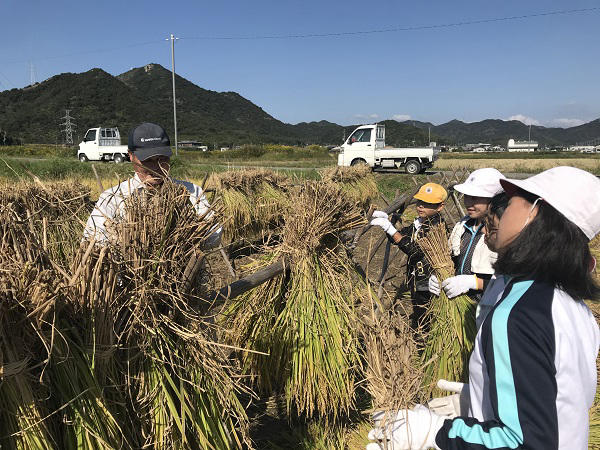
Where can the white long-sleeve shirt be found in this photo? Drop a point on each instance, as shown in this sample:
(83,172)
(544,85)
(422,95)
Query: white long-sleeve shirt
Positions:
(111,204)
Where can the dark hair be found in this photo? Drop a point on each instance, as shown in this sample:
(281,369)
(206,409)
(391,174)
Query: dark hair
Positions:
(553,249)
(498,204)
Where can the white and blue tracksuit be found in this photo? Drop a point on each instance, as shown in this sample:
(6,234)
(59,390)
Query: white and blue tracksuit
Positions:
(532,373)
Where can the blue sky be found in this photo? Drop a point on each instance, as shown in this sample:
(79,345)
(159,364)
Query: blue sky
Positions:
(543,70)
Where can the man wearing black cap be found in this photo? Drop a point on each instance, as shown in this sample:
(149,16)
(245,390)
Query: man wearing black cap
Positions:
(150,152)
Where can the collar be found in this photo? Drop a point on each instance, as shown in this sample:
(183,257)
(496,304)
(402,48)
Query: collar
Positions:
(469,225)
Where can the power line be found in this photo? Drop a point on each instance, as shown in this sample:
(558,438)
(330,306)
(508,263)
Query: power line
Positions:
(398,29)
(87,52)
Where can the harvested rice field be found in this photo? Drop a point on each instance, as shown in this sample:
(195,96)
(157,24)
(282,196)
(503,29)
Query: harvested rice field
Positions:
(286,335)
(528,165)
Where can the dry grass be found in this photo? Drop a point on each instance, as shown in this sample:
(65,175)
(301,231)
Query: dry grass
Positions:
(112,350)
(393,372)
(517,165)
(254,200)
(357,182)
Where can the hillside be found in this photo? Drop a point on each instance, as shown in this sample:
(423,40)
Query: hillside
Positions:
(495,131)
(32,115)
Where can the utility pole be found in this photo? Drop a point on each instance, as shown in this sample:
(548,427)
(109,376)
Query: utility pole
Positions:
(68,130)
(173,39)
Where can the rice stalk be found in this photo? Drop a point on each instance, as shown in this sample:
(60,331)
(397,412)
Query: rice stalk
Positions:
(177,388)
(393,371)
(306,318)
(357,182)
(253,199)
(452,321)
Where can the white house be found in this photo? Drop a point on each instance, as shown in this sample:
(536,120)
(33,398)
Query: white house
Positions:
(521,146)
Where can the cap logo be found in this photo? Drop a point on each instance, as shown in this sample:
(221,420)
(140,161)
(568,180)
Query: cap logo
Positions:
(428,189)
(149,139)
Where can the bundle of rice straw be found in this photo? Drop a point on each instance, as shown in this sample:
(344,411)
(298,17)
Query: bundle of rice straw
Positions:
(450,339)
(113,351)
(305,320)
(357,182)
(393,371)
(253,200)
(42,364)
(171,384)
(56,211)
(27,300)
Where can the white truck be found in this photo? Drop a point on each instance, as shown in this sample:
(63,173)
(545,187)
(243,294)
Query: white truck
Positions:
(366,145)
(102,144)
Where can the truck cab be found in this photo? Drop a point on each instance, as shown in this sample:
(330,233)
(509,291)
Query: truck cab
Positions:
(102,144)
(366,145)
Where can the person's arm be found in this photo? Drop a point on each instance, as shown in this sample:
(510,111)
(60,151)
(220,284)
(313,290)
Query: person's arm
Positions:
(105,208)
(202,207)
(519,348)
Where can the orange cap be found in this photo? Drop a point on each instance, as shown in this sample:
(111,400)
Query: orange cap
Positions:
(431,193)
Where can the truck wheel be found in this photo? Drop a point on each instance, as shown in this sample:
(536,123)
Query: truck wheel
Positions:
(412,167)
(83,158)
(118,158)
(357,162)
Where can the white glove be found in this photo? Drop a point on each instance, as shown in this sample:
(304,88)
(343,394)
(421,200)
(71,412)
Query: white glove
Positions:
(412,429)
(434,285)
(378,213)
(454,286)
(451,405)
(384,223)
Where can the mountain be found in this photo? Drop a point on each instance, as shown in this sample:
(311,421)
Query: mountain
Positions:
(495,131)
(96,98)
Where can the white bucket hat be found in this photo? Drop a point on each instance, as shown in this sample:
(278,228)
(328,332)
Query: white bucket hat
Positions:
(573,192)
(482,183)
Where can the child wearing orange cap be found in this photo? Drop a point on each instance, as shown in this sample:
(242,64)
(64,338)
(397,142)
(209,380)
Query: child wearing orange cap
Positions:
(430,202)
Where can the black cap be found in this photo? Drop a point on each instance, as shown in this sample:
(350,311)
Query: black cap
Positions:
(148,140)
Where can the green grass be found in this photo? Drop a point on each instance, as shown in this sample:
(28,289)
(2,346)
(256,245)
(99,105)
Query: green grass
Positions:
(38,150)
(17,168)
(262,152)
(388,183)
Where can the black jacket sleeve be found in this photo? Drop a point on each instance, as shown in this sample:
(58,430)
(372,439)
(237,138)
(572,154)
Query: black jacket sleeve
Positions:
(518,345)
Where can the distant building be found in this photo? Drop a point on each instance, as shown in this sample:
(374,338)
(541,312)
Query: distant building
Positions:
(189,144)
(472,147)
(522,146)
(583,148)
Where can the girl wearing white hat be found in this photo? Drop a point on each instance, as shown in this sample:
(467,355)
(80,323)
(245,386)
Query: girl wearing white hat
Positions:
(532,373)
(472,258)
